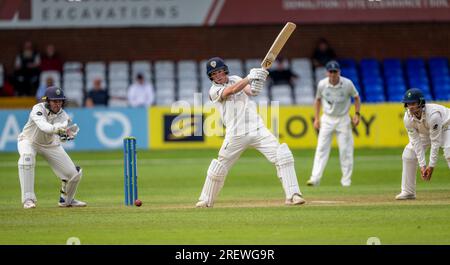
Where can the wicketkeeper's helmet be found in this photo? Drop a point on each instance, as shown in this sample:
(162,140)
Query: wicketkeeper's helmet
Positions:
(414,95)
(54,93)
(214,64)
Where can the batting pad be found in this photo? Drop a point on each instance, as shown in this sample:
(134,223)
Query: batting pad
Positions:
(214,182)
(26,176)
(71,186)
(447,155)
(409,171)
(286,171)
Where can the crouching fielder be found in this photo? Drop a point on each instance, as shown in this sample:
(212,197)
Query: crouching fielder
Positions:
(46,128)
(244,128)
(428,125)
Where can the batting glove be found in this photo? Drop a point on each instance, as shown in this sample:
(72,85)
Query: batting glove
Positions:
(256,87)
(257,74)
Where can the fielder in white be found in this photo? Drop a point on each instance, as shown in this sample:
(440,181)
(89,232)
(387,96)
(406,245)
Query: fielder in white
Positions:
(244,128)
(48,126)
(334,93)
(428,126)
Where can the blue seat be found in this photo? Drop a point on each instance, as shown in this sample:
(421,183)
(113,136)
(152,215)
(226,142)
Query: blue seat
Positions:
(439,71)
(347,63)
(428,96)
(441,89)
(422,86)
(416,71)
(375,98)
(394,80)
(392,63)
(438,62)
(349,71)
(396,89)
(374,89)
(419,80)
(393,71)
(443,96)
(369,63)
(440,80)
(370,72)
(372,80)
(395,97)
(415,63)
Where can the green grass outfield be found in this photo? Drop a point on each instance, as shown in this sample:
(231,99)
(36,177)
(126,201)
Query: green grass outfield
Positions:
(249,210)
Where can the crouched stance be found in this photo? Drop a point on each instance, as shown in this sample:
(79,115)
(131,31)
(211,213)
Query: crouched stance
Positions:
(428,126)
(48,126)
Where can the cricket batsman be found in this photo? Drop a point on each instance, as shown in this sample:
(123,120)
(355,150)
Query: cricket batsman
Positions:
(48,125)
(428,126)
(244,129)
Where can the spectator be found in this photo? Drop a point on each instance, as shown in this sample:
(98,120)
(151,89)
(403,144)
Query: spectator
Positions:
(43,87)
(281,74)
(97,96)
(140,93)
(323,53)
(26,75)
(51,61)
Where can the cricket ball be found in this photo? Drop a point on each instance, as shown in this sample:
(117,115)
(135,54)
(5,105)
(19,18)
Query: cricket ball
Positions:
(138,203)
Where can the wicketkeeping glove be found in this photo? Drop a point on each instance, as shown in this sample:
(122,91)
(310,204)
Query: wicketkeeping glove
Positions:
(70,133)
(59,128)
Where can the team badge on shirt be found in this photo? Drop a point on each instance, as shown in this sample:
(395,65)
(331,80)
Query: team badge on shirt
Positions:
(435,127)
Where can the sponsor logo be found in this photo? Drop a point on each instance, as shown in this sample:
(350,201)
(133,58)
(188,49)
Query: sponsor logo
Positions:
(183,128)
(39,113)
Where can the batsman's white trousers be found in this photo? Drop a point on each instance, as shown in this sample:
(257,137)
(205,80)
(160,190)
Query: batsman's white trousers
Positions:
(56,157)
(342,126)
(232,147)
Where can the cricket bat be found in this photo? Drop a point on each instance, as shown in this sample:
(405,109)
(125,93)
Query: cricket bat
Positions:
(277,45)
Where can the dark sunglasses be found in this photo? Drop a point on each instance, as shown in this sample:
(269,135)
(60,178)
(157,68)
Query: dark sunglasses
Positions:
(333,71)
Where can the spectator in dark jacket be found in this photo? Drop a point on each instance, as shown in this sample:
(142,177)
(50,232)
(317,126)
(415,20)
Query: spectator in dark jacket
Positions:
(97,96)
(323,53)
(26,74)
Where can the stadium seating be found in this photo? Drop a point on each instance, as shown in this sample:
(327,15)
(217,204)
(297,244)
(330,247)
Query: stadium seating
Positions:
(440,78)
(234,66)
(142,67)
(252,63)
(350,71)
(165,91)
(94,70)
(55,75)
(376,80)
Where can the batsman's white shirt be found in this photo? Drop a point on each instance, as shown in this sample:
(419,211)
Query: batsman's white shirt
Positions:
(433,129)
(336,99)
(39,128)
(238,113)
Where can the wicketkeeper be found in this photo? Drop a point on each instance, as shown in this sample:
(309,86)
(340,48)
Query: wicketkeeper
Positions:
(48,126)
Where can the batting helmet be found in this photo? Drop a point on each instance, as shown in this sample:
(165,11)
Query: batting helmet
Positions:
(414,95)
(214,64)
(54,93)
